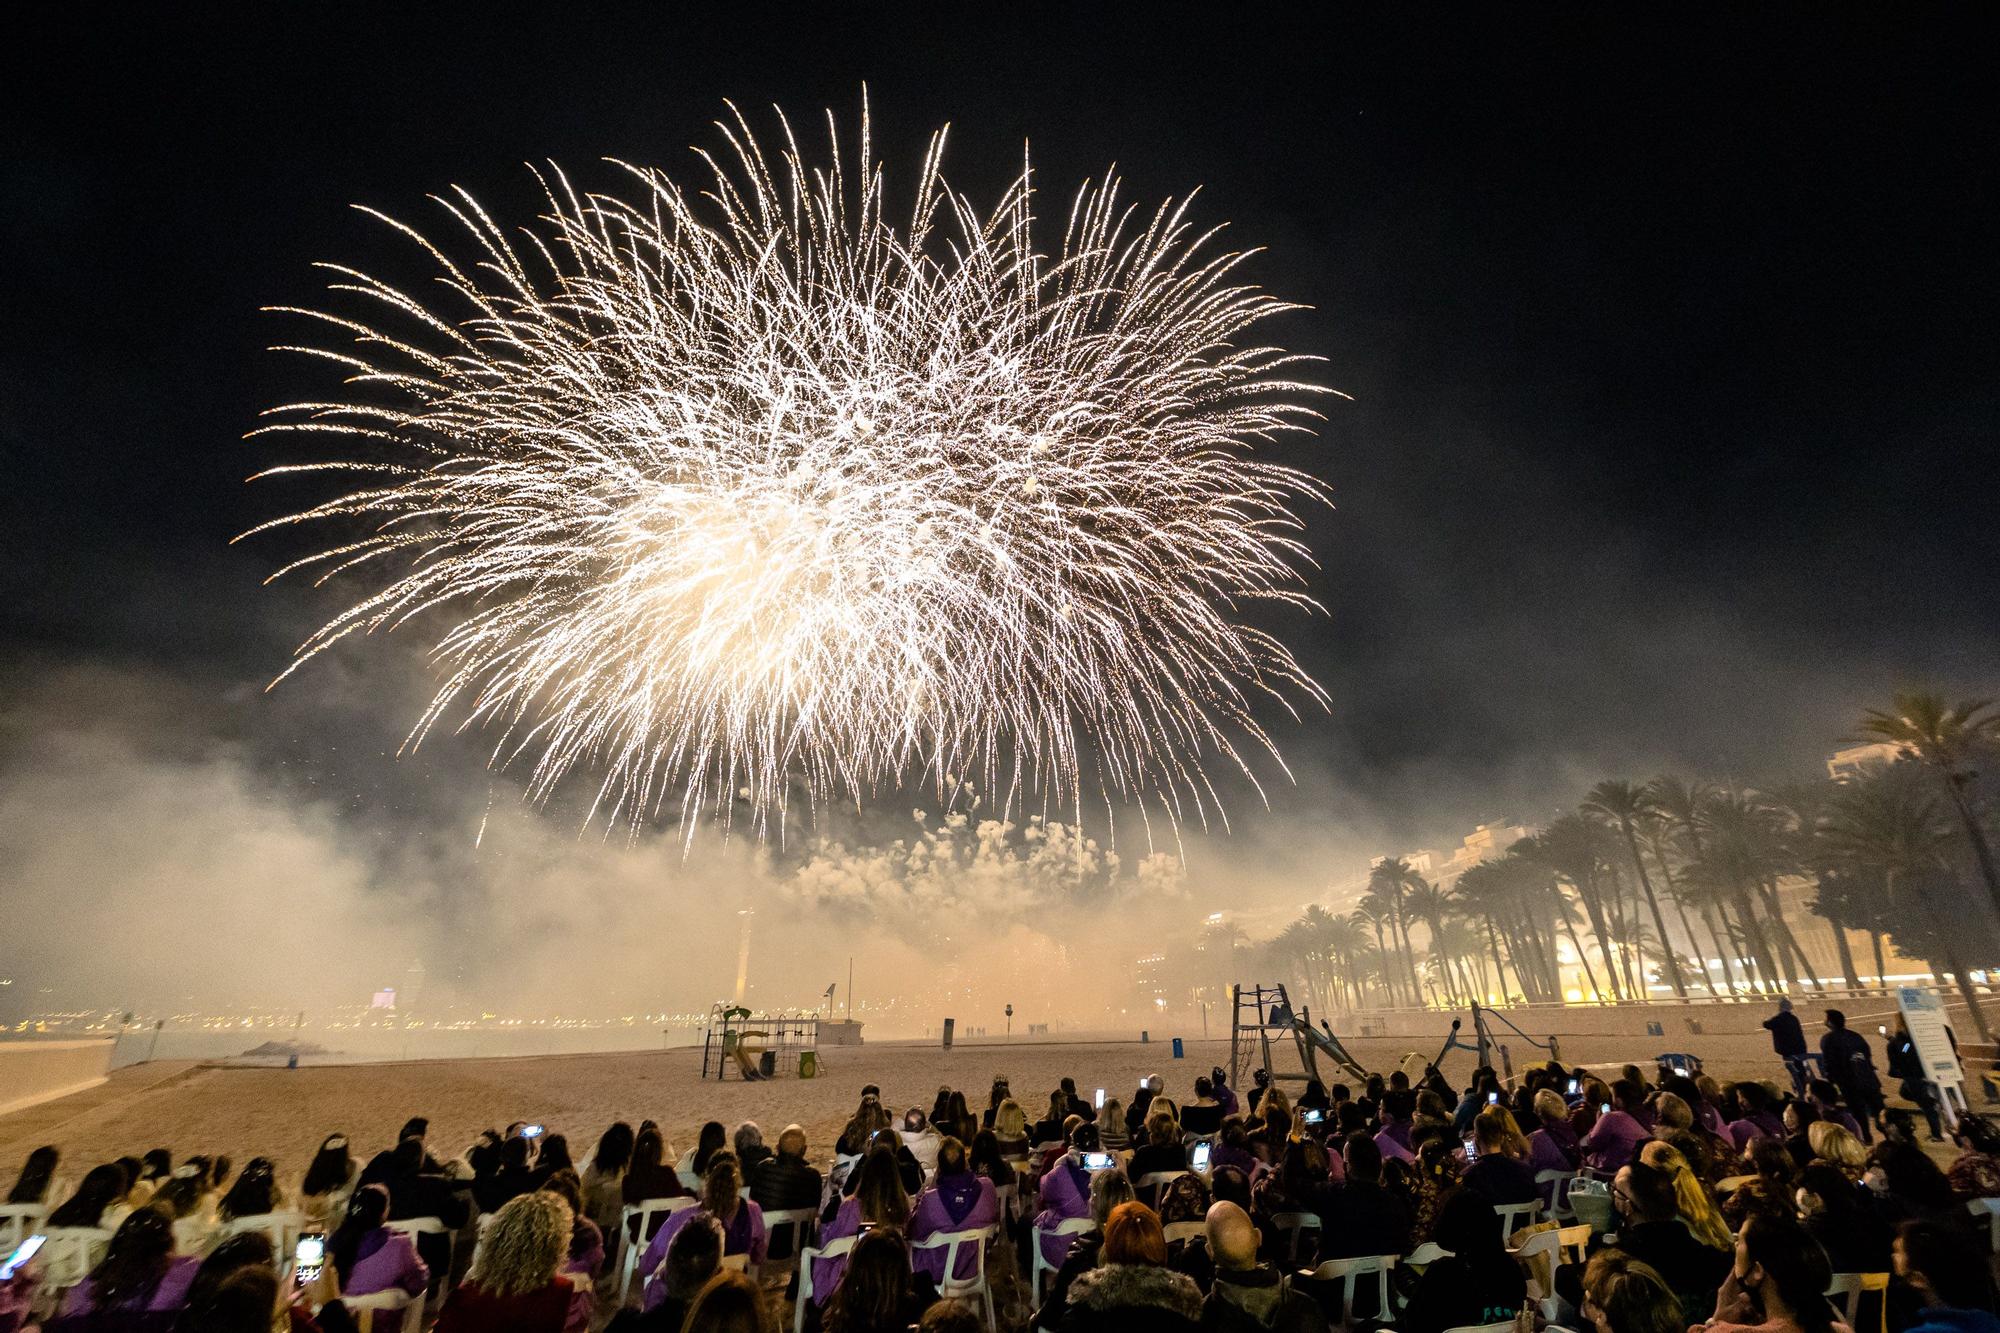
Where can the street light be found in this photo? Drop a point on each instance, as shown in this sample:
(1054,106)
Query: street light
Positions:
(1010,1022)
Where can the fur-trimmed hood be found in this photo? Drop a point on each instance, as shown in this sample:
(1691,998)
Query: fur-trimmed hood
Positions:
(1112,1286)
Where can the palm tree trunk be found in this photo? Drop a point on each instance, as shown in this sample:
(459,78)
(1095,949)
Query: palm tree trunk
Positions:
(1659,922)
(1982,851)
(1581,957)
(1725,945)
(1493,946)
(1598,928)
(1947,939)
(1881,967)
(1846,952)
(1753,934)
(1788,943)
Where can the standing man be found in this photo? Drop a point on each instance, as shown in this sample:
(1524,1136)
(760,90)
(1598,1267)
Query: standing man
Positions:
(1908,1066)
(1851,1066)
(1788,1039)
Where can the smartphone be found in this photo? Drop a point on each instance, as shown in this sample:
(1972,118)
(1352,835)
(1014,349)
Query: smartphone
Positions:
(1100,1099)
(531,1131)
(23,1252)
(309,1258)
(1680,1071)
(1604,1108)
(1098,1161)
(1313,1115)
(1198,1159)
(1471,1149)
(1492,1099)
(1575,1086)
(1882,1028)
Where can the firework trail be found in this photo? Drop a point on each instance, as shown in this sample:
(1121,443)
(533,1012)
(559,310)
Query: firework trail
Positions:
(728,496)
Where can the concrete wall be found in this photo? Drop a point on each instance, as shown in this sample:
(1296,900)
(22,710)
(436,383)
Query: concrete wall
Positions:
(33,1072)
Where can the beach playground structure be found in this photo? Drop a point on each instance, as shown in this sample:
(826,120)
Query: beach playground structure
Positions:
(754,1047)
(1262,1010)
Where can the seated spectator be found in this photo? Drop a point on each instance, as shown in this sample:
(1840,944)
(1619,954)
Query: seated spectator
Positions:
(1651,1231)
(1478,1282)
(988,1161)
(999,1093)
(712,1140)
(1233,1148)
(1132,1287)
(741,1219)
(878,1200)
(1623,1295)
(1769,1191)
(37,1174)
(99,1201)
(1799,1119)
(1776,1284)
(1854,1238)
(1398,1112)
(139,1272)
(586,1242)
(1553,1146)
(1433,1179)
(1499,1172)
(1697,1207)
(1142,1105)
(1616,1138)
(694,1257)
(1363,1217)
(785,1180)
(1248,1297)
(329,1182)
(1950,1274)
(1049,1129)
(956,1200)
(877,1294)
(368,1255)
(1077,1105)
(254,1194)
(236,1290)
(1298,1185)
(1826,1103)
(1108,1189)
(751,1153)
(1010,1127)
(1202,1116)
(959,1122)
(651,1175)
(1065,1191)
(1975,1173)
(517,1284)
(1836,1147)
(511,1176)
(604,1176)
(1225,1095)
(921,1141)
(1111,1126)
(1163,1149)
(154,1170)
(189,1202)
(1904,1183)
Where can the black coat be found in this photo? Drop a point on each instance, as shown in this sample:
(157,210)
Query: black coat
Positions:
(1132,1298)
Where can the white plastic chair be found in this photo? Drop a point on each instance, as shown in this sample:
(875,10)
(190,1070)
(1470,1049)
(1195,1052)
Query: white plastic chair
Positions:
(1425,1255)
(18,1221)
(1990,1210)
(417,1227)
(1347,1270)
(1504,1326)
(1069,1226)
(1514,1216)
(952,1286)
(407,1312)
(1574,1242)
(1008,1196)
(1852,1286)
(1178,1232)
(1542,1245)
(281,1229)
(69,1254)
(1155,1181)
(804,1224)
(834,1249)
(633,1248)
(1557,1183)
(1293,1226)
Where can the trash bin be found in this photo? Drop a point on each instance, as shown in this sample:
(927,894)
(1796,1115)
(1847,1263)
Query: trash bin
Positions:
(1145,1037)
(767,1063)
(808,1064)
(1179,1051)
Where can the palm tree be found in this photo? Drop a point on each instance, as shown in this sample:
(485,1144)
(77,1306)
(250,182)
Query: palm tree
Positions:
(1623,805)
(1484,890)
(1429,904)
(1655,832)
(1393,877)
(1946,738)
(1679,803)
(1741,854)
(1802,806)
(1372,912)
(1573,848)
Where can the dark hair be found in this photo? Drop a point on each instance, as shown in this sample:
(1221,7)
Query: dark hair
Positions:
(1773,1162)
(240,1303)
(951,1159)
(416,1127)
(1633,1296)
(714,1138)
(330,1168)
(984,1155)
(101,1188)
(1364,1158)
(1979,1134)
(554,1154)
(649,1147)
(155,1164)
(1913,1177)
(1652,1192)
(1628,1092)
(1085,1138)
(693,1255)
(136,1260)
(1835,1018)
(614,1149)
(1230,1184)
(32,1185)
(878,1189)
(1466,1227)
(254,1193)
(366,1211)
(1957,1271)
(875,1287)
(1399,1105)
(407,1157)
(951,1316)
(181,1196)
(1794,1263)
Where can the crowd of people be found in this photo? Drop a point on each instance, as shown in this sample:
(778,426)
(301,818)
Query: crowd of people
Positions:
(1722,1208)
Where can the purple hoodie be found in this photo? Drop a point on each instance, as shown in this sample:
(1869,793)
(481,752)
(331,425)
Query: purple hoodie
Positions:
(1065,1196)
(744,1235)
(170,1293)
(386,1260)
(952,1203)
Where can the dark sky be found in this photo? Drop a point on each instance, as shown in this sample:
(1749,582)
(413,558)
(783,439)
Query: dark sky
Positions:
(1671,335)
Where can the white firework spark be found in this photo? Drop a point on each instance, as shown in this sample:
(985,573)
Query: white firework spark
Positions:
(724,495)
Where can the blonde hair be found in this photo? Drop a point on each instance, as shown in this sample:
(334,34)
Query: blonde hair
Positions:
(719,1187)
(1549,1105)
(1494,1130)
(1698,1211)
(524,1246)
(1834,1142)
(1010,1121)
(1162,1128)
(1673,1112)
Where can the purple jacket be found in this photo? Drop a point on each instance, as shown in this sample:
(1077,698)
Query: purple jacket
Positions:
(952,1203)
(1394,1141)
(744,1235)
(828,1272)
(170,1293)
(1614,1141)
(1063,1198)
(1553,1148)
(1743,1133)
(386,1261)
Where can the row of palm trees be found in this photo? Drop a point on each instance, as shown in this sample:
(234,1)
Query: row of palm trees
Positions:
(1643,883)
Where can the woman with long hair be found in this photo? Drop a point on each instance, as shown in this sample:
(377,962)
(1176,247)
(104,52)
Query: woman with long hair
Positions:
(368,1255)
(255,1192)
(742,1222)
(586,1242)
(1498,1171)
(1854,1238)
(876,1295)
(99,1201)
(604,1175)
(959,1122)
(139,1271)
(1831,1143)
(714,1138)
(878,1201)
(37,1174)
(1010,1127)
(1478,1282)
(955,1200)
(1699,1213)
(1777,1283)
(516,1284)
(329,1181)
(1050,1127)
(1622,1295)
(727,1303)
(988,1161)
(999,1093)
(1769,1191)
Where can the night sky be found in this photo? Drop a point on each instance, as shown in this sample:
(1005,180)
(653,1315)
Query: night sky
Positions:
(1671,340)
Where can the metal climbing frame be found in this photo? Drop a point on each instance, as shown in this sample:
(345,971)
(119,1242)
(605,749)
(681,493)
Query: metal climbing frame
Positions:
(1262,1010)
(737,1040)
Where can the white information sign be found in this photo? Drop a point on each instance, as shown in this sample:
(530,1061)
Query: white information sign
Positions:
(1923,1012)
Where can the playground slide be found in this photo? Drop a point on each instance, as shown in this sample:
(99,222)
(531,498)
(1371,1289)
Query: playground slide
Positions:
(1325,1042)
(746,1055)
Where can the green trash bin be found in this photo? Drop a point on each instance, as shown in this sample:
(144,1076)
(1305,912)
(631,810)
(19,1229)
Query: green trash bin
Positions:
(808,1064)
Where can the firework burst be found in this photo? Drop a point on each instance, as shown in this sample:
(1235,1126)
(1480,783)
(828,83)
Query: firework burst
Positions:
(724,496)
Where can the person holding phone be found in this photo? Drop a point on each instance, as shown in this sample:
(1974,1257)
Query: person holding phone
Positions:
(1499,1172)
(1553,1145)
(139,1273)
(1616,1138)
